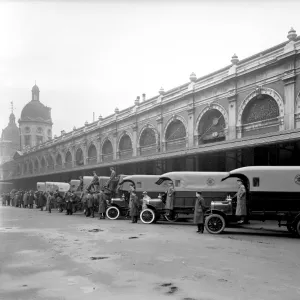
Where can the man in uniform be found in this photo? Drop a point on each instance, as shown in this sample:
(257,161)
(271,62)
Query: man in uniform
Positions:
(102,204)
(241,206)
(135,205)
(111,178)
(90,205)
(170,199)
(95,182)
(199,210)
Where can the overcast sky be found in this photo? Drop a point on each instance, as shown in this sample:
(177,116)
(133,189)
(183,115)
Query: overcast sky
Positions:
(94,56)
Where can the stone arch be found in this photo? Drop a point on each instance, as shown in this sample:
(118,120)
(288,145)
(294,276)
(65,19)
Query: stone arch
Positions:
(50,161)
(271,97)
(30,166)
(175,134)
(68,159)
(79,157)
(43,162)
(58,159)
(125,141)
(36,164)
(153,137)
(92,153)
(107,149)
(206,128)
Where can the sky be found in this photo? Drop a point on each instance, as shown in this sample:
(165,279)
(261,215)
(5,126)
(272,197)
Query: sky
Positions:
(94,56)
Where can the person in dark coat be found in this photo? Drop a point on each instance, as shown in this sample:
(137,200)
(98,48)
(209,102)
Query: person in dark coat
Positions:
(135,205)
(90,205)
(102,205)
(25,199)
(241,207)
(50,200)
(95,182)
(199,211)
(69,204)
(170,199)
(30,199)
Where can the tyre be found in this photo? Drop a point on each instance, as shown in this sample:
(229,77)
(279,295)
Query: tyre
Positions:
(112,213)
(147,216)
(174,218)
(214,224)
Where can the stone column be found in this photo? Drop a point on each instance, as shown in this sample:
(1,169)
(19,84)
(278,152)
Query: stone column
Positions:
(85,153)
(73,156)
(289,100)
(99,150)
(191,126)
(232,112)
(159,121)
(134,140)
(115,146)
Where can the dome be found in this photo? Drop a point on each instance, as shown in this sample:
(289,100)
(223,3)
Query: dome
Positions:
(35,88)
(11,132)
(36,111)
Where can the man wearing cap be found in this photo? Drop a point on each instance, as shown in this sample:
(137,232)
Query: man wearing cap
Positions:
(170,199)
(134,211)
(102,204)
(95,182)
(199,210)
(241,206)
(111,178)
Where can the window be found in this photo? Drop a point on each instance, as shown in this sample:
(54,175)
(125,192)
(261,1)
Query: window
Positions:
(255,181)
(27,140)
(139,185)
(27,129)
(39,139)
(39,130)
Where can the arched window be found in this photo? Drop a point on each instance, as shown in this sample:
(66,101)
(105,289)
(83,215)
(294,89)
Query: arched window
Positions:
(107,151)
(58,161)
(211,127)
(148,141)
(175,136)
(260,116)
(125,146)
(79,157)
(69,160)
(92,154)
(36,165)
(43,164)
(50,162)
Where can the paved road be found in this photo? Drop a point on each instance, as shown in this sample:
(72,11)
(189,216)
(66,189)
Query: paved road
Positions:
(54,256)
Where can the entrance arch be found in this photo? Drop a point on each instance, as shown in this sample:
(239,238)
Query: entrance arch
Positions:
(69,159)
(79,159)
(92,154)
(148,140)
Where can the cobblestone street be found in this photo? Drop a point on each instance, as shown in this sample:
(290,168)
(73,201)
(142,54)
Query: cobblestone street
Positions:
(53,256)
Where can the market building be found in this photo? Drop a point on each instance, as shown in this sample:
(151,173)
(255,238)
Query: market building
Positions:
(247,113)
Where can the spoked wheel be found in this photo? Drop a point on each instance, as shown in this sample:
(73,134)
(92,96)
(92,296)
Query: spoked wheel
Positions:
(172,218)
(112,213)
(147,216)
(214,224)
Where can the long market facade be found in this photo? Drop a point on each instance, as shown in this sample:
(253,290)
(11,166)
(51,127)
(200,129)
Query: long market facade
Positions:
(247,113)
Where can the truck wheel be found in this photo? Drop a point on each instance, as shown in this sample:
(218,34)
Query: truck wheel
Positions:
(214,224)
(174,218)
(112,213)
(298,228)
(147,216)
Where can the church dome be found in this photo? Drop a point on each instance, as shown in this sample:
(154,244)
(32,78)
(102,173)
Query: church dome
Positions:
(35,111)
(11,132)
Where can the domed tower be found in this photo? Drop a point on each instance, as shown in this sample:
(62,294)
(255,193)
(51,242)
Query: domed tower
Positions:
(35,122)
(10,140)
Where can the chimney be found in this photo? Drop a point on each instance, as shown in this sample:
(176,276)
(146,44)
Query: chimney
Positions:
(144,97)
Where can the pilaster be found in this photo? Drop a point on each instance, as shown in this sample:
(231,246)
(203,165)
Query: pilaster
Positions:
(232,112)
(289,79)
(134,140)
(191,117)
(115,153)
(159,121)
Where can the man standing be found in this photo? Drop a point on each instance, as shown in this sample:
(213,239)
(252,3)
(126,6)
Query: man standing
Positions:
(102,205)
(90,205)
(69,204)
(241,207)
(199,210)
(25,199)
(95,182)
(30,199)
(134,211)
(50,200)
(111,178)
(170,199)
